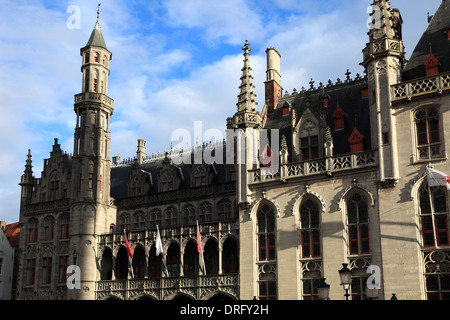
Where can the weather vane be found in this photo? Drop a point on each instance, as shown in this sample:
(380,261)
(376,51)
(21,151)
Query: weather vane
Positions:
(98,10)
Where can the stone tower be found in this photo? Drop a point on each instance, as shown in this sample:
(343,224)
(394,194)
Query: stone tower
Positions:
(91,211)
(245,125)
(383,61)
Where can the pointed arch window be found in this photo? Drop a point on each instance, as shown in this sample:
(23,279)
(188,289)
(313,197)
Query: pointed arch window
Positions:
(433,216)
(428,128)
(188,214)
(310,229)
(49,227)
(358,224)
(33,229)
(206,210)
(225,210)
(266,233)
(170,216)
(155,218)
(64,225)
(139,221)
(124,222)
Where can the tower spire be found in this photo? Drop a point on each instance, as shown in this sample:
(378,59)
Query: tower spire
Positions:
(247,96)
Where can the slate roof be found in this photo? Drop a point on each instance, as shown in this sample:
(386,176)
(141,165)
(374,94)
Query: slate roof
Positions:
(347,95)
(434,38)
(120,174)
(96,38)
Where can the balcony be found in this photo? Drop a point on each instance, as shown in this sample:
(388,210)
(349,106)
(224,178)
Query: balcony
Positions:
(93,98)
(328,166)
(406,91)
(195,287)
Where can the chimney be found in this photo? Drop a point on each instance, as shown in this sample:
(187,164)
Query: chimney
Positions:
(141,154)
(273,79)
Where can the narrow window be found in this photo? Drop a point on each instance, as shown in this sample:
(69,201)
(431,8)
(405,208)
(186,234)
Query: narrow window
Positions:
(339,120)
(46,270)
(429,144)
(30,272)
(94,88)
(358,225)
(309,216)
(63,263)
(266,233)
(90,181)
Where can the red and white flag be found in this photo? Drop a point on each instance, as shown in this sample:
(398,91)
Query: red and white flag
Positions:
(199,248)
(130,254)
(437,178)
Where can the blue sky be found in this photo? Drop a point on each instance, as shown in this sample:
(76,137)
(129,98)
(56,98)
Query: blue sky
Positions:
(174,62)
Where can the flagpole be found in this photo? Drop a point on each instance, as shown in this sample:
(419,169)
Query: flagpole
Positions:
(129,259)
(199,246)
(432,209)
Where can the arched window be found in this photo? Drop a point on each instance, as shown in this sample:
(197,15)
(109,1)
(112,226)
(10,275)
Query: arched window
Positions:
(433,216)
(205,212)
(33,230)
(358,224)
(310,228)
(138,263)
(188,214)
(124,222)
(170,216)
(266,233)
(106,265)
(139,221)
(121,269)
(173,260)
(155,218)
(230,256)
(428,133)
(225,210)
(190,259)
(49,227)
(211,255)
(64,225)
(154,263)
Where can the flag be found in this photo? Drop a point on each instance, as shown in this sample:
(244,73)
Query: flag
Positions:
(199,248)
(437,178)
(159,250)
(158,243)
(130,254)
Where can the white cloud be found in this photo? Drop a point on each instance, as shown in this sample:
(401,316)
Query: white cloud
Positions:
(228,21)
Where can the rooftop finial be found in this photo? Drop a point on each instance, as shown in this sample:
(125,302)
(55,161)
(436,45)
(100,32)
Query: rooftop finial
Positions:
(246,47)
(98,10)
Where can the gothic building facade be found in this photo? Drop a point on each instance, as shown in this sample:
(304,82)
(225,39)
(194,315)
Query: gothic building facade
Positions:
(330,174)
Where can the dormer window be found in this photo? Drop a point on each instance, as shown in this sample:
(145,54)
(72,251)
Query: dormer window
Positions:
(309,148)
(167,186)
(432,65)
(199,181)
(339,121)
(356,141)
